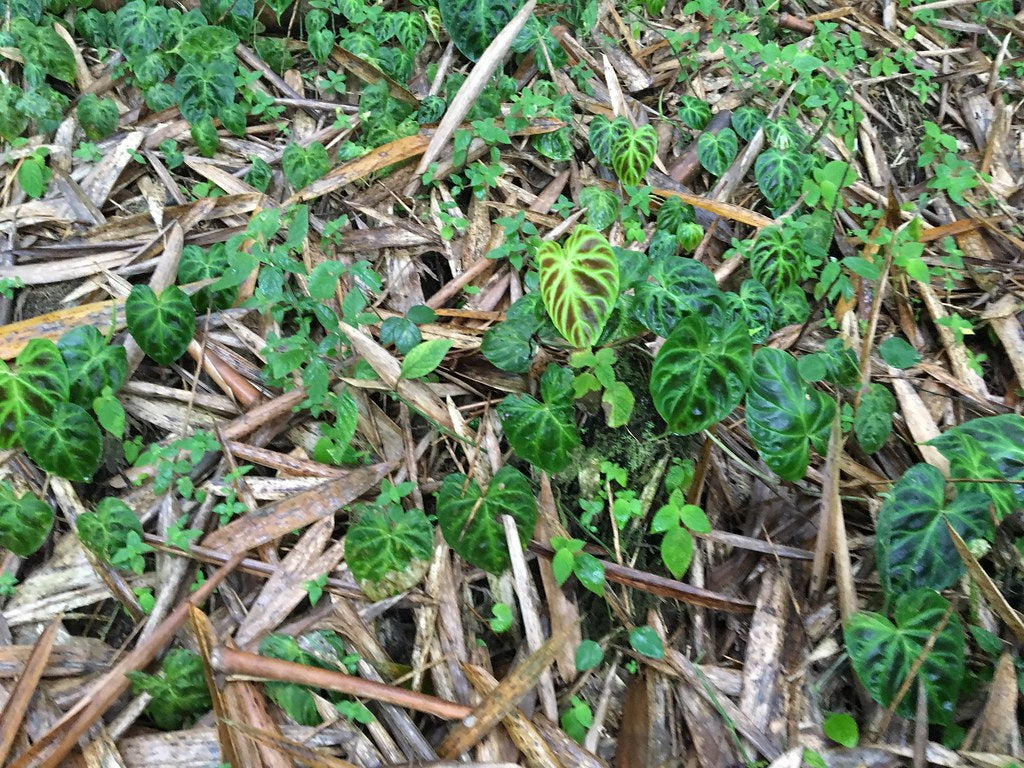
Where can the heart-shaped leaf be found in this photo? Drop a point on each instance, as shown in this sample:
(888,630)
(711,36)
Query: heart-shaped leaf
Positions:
(968,458)
(544,434)
(632,154)
(389,550)
(663,246)
(204,88)
(140,26)
(674,214)
(67,443)
(784,134)
(700,374)
(602,135)
(579,283)
(38,382)
(716,151)
(304,165)
(471,520)
(207,264)
(92,363)
(745,121)
(473,24)
(780,174)
(105,531)
(98,117)
(777,259)
(873,421)
(25,521)
(783,413)
(913,543)
(883,653)
(678,286)
(999,437)
(602,206)
(509,346)
(694,112)
(754,304)
(161,325)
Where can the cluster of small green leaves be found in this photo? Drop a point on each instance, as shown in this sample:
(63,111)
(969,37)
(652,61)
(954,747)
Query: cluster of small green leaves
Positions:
(323,649)
(51,398)
(179,691)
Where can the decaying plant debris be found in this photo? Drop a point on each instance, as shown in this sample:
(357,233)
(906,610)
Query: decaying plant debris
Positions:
(741,660)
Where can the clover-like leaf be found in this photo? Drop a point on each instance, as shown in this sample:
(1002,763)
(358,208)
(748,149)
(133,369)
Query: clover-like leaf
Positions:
(694,112)
(161,325)
(68,442)
(544,434)
(999,437)
(37,383)
(602,135)
(473,24)
(678,286)
(25,521)
(579,283)
(873,421)
(633,153)
(304,165)
(884,653)
(470,519)
(780,174)
(389,550)
(784,413)
(602,206)
(700,373)
(92,363)
(912,539)
(98,117)
(745,121)
(716,151)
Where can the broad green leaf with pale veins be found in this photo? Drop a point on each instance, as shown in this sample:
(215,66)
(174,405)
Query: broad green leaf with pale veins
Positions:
(914,546)
(783,413)
(37,383)
(389,550)
(473,24)
(545,433)
(883,653)
(68,442)
(470,519)
(161,325)
(579,283)
(633,153)
(700,374)
(25,521)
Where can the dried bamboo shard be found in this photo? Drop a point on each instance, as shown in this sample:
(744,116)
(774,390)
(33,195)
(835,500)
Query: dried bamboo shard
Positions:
(503,699)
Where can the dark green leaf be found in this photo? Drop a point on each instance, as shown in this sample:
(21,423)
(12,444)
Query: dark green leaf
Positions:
(401,332)
(694,113)
(67,443)
(745,121)
(161,325)
(633,153)
(106,530)
(140,25)
(873,420)
(898,353)
(969,458)
(700,374)
(179,693)
(999,437)
(783,413)
(304,165)
(716,151)
(602,135)
(913,543)
(207,44)
(98,117)
(544,434)
(389,550)
(509,346)
(204,134)
(777,259)
(473,24)
(206,264)
(25,522)
(678,286)
(883,653)
(780,174)
(471,520)
(204,88)
(602,206)
(92,363)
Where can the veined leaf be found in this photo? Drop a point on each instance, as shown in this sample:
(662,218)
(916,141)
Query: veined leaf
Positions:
(162,325)
(304,165)
(999,437)
(106,530)
(633,152)
(754,304)
(68,442)
(679,286)
(674,214)
(602,206)
(579,283)
(470,519)
(700,374)
(783,413)
(745,121)
(25,521)
(716,151)
(777,259)
(873,421)
(968,458)
(780,174)
(694,112)
(92,363)
(473,24)
(98,117)
(883,653)
(37,384)
(389,550)
(544,434)
(602,135)
(204,88)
